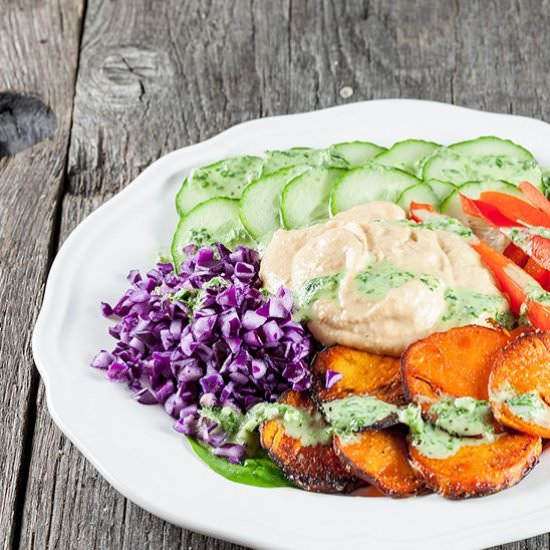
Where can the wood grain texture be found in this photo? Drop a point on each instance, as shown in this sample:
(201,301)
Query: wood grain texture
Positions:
(38,55)
(140,94)
(155,76)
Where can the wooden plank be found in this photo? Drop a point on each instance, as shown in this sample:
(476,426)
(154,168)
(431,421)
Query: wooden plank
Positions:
(132,105)
(201,67)
(38,54)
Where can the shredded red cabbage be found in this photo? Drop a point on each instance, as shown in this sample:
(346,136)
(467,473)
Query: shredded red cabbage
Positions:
(207,336)
(331,377)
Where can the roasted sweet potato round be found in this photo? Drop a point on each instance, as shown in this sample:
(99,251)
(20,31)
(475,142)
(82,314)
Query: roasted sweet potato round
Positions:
(363,373)
(314,467)
(454,363)
(475,471)
(381,458)
(519,384)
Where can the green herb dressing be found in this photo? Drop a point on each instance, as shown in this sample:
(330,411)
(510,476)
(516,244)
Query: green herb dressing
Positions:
(320,287)
(353,413)
(457,421)
(465,306)
(537,294)
(446,223)
(436,223)
(527,406)
(521,236)
(434,442)
(310,429)
(226,233)
(463,416)
(239,170)
(379,278)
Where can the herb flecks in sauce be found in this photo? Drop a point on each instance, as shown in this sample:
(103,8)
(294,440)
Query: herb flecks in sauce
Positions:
(462,416)
(459,422)
(446,223)
(239,428)
(436,222)
(200,236)
(434,442)
(465,306)
(381,277)
(320,287)
(528,406)
(538,294)
(354,413)
(521,236)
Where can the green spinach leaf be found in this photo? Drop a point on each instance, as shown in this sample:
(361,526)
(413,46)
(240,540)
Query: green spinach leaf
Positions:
(259,471)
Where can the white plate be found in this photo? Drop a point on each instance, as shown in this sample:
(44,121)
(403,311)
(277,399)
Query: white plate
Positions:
(134,446)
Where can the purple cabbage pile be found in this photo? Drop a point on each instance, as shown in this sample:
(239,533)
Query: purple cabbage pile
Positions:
(207,336)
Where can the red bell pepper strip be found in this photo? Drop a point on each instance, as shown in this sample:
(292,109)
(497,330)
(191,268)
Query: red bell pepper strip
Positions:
(536,271)
(485,211)
(536,246)
(538,314)
(501,268)
(417,208)
(516,254)
(541,250)
(535,197)
(516,209)
(517,285)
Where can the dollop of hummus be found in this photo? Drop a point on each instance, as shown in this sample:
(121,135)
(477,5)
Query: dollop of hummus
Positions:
(372,280)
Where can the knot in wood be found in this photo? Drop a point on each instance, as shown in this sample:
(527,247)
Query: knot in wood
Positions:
(126,74)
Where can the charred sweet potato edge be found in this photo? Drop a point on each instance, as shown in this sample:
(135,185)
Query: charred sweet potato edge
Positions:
(313,468)
(523,364)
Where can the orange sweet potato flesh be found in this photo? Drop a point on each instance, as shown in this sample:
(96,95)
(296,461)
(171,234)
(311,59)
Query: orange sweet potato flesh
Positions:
(456,363)
(381,458)
(363,373)
(476,471)
(524,364)
(313,468)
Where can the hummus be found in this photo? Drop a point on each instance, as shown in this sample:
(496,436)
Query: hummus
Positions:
(372,280)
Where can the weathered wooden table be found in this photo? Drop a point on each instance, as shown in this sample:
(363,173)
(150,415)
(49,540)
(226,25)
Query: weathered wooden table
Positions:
(130,81)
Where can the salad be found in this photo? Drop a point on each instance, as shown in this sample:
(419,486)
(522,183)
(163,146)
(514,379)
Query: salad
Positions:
(352,319)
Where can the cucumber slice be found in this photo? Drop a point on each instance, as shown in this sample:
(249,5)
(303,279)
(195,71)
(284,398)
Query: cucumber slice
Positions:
(304,200)
(356,153)
(367,184)
(492,146)
(180,197)
(214,220)
(275,160)
(408,155)
(442,189)
(448,165)
(226,178)
(260,201)
(418,193)
(451,205)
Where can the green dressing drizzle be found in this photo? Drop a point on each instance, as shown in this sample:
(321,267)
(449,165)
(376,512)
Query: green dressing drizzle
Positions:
(527,406)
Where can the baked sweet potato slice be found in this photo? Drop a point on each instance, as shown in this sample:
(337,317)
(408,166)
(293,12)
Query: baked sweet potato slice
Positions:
(454,363)
(519,384)
(475,471)
(381,458)
(363,373)
(314,467)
